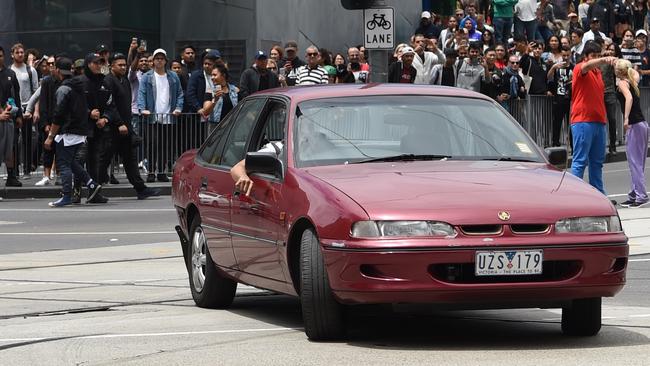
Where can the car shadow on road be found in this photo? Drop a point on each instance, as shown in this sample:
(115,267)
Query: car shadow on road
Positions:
(414,329)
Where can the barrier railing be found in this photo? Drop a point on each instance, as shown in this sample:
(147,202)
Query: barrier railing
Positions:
(165,137)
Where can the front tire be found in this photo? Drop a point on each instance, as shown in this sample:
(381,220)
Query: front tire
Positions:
(321,313)
(209,288)
(583,318)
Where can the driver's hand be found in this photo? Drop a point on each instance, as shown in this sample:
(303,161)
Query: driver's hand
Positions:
(245,185)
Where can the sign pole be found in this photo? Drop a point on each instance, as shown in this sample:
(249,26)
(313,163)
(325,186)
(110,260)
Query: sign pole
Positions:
(378,39)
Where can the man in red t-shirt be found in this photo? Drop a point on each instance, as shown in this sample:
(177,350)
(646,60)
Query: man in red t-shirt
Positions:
(403,71)
(588,116)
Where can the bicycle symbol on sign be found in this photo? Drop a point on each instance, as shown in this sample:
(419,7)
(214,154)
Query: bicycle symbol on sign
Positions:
(378,21)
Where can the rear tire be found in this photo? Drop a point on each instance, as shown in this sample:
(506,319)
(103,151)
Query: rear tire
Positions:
(210,289)
(583,318)
(321,313)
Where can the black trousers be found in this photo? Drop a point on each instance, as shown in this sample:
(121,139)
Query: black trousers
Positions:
(560,112)
(128,153)
(99,155)
(610,107)
(23,152)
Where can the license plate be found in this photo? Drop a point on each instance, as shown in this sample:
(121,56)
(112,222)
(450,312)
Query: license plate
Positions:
(509,263)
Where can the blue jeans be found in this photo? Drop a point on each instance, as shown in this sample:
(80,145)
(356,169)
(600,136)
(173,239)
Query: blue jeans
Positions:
(544,32)
(502,29)
(67,165)
(589,142)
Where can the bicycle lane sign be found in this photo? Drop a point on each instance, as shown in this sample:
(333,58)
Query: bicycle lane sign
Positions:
(379,28)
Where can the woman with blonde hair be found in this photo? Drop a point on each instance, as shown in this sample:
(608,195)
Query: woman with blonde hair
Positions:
(636,131)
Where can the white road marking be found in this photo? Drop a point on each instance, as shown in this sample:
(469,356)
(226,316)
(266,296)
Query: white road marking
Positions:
(95,233)
(639,260)
(11,222)
(135,335)
(619,195)
(640,316)
(47,209)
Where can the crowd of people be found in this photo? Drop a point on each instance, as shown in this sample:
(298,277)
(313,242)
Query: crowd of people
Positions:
(505,49)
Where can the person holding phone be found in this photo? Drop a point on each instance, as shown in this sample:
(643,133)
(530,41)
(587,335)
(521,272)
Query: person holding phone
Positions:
(425,60)
(224,98)
(291,63)
(559,77)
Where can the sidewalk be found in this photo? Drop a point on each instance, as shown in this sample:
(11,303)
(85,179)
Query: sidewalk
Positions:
(636,224)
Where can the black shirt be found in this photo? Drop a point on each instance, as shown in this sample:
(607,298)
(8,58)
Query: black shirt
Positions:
(636,115)
(536,70)
(264,81)
(645,65)
(448,78)
(227,105)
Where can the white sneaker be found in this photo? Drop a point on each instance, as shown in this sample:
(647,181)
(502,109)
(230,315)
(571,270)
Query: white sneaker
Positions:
(43,182)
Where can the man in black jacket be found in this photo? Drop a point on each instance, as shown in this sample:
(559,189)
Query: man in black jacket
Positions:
(257,77)
(102,115)
(46,103)
(70,126)
(9,88)
(403,71)
(124,140)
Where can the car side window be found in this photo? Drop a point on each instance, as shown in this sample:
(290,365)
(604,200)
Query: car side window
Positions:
(240,132)
(272,126)
(212,151)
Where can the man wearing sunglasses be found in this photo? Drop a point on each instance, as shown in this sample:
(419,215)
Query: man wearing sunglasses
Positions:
(312,73)
(257,77)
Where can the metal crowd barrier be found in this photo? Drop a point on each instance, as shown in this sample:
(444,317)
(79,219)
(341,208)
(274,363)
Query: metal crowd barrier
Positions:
(535,114)
(165,137)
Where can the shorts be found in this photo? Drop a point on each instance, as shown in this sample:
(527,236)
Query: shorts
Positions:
(6,140)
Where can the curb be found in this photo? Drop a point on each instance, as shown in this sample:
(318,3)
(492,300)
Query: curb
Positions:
(109,190)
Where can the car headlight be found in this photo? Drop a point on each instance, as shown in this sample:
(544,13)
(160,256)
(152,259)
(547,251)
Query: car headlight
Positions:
(374,229)
(604,224)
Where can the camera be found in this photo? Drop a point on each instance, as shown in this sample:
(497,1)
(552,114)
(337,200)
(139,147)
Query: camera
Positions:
(355,66)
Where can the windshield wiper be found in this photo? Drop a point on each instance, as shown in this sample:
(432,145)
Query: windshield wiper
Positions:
(404,157)
(508,158)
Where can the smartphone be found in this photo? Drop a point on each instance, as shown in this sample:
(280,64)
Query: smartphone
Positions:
(143,44)
(134,39)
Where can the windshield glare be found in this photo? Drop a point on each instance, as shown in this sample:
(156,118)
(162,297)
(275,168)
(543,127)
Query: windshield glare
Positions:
(353,129)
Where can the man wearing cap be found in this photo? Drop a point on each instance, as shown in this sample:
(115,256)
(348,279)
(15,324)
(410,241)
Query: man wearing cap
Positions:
(104,52)
(290,63)
(257,77)
(642,46)
(78,67)
(574,22)
(594,32)
(70,127)
(604,12)
(102,114)
(160,94)
(122,131)
(427,27)
(402,71)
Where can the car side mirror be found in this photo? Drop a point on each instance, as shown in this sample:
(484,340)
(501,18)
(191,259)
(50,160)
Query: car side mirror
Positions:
(557,156)
(264,163)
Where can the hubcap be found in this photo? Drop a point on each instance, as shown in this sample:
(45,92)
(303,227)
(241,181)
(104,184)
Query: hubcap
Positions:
(199,248)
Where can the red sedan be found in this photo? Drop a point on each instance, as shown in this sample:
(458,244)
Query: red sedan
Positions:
(366,194)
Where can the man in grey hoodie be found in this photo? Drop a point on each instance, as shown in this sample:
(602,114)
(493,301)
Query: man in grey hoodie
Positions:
(471,72)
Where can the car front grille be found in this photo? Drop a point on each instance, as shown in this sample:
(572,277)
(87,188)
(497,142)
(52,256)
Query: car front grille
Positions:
(481,229)
(529,229)
(464,273)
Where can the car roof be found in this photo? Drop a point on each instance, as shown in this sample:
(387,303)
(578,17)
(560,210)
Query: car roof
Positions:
(303,93)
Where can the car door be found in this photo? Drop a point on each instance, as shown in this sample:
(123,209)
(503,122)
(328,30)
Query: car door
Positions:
(257,219)
(214,199)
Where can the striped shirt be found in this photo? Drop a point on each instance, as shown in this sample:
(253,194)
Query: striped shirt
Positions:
(307,76)
(633,55)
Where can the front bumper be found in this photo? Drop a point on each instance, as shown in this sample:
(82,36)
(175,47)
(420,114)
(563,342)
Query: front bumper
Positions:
(446,276)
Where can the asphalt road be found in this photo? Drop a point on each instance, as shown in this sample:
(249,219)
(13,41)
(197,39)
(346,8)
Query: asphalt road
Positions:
(112,289)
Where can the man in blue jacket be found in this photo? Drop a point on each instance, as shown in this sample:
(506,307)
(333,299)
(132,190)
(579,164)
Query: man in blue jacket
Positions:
(160,101)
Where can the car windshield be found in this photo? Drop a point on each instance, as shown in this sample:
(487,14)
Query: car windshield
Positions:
(405,128)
